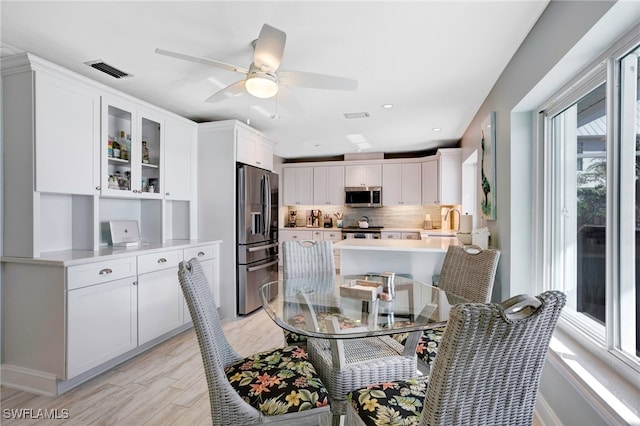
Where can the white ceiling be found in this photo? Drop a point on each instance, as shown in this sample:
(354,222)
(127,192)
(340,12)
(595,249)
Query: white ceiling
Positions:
(435,61)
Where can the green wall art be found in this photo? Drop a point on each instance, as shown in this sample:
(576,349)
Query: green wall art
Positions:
(488,167)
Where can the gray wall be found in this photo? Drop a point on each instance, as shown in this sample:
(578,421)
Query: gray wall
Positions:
(568,36)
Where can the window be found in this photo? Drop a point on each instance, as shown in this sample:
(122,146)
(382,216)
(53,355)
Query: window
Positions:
(592,225)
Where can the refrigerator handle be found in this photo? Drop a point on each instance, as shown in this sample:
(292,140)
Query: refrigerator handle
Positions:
(267,205)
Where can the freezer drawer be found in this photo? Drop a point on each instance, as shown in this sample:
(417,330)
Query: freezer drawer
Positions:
(250,278)
(257,252)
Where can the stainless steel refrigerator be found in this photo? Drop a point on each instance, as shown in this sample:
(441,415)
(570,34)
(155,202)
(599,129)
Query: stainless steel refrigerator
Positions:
(257,234)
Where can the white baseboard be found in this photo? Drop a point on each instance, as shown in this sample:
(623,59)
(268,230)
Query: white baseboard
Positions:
(544,414)
(32,381)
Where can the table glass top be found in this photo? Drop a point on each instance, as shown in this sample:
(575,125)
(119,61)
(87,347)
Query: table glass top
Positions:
(354,306)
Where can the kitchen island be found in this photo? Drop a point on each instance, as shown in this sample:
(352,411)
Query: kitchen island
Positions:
(420,258)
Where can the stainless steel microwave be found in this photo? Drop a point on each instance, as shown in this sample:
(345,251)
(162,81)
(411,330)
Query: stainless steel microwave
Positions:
(363,196)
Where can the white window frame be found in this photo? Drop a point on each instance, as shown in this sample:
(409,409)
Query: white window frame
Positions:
(601,341)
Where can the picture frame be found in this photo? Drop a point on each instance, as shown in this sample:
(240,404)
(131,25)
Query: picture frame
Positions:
(488,166)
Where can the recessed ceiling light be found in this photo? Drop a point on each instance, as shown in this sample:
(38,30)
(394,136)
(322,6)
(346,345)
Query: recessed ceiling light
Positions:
(436,129)
(318,145)
(387,106)
(356,138)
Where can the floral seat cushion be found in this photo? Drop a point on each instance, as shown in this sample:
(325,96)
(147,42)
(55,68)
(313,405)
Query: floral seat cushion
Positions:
(427,345)
(298,321)
(395,403)
(278,381)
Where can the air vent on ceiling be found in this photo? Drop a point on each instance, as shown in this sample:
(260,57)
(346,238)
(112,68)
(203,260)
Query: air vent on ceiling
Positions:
(108,69)
(350,115)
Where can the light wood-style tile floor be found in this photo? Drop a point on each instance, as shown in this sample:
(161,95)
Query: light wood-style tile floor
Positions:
(163,386)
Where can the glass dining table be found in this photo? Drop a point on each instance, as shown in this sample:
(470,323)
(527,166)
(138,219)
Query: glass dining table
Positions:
(355,306)
(348,321)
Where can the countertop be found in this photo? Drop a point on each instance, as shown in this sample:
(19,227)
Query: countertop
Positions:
(79,257)
(433,244)
(421,231)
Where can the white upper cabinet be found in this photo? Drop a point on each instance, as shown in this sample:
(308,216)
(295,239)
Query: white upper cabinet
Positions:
(328,185)
(401,184)
(297,185)
(132,144)
(179,159)
(254,149)
(442,178)
(430,182)
(363,175)
(67,133)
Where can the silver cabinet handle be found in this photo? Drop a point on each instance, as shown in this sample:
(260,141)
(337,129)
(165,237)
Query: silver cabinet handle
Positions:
(162,260)
(105,271)
(200,253)
(257,162)
(135,283)
(98,188)
(167,193)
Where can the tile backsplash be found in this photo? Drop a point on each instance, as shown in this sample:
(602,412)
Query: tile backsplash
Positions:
(388,216)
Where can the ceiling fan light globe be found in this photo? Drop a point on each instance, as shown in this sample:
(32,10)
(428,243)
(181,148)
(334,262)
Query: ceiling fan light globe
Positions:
(262,85)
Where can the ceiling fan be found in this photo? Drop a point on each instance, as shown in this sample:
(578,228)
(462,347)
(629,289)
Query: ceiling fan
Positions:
(262,78)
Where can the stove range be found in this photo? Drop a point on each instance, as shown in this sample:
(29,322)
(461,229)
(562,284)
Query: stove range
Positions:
(372,232)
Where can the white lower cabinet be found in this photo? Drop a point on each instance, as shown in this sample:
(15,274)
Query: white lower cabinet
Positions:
(208,256)
(68,318)
(160,304)
(102,323)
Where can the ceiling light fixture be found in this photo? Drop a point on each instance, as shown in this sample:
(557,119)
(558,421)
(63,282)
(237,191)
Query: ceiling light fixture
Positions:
(436,129)
(261,84)
(387,106)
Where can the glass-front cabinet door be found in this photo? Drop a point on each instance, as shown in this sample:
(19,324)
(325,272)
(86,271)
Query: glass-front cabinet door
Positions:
(131,151)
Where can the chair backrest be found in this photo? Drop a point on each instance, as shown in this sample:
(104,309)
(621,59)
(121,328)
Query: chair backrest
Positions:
(227,407)
(469,272)
(490,360)
(307,258)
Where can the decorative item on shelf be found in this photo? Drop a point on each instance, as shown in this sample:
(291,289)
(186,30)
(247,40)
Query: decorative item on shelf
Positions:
(145,153)
(110,146)
(328,222)
(113,182)
(339,222)
(127,180)
(143,185)
(115,147)
(124,150)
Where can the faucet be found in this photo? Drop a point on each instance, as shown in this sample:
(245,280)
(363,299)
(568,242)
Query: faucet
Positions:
(446,216)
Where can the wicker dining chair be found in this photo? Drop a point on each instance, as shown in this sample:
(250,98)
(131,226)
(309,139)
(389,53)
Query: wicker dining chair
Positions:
(302,259)
(468,272)
(279,386)
(487,371)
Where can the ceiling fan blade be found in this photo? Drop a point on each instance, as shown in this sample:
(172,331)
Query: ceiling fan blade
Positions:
(205,61)
(316,81)
(269,48)
(230,91)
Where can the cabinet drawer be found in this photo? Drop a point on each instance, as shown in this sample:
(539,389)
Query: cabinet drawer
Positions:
(391,235)
(201,252)
(100,272)
(318,235)
(333,235)
(159,261)
(295,235)
(410,235)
